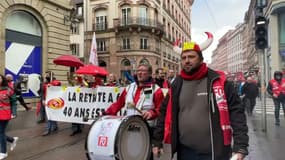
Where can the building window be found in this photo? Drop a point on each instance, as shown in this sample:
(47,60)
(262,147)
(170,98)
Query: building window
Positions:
(23,22)
(99,19)
(144,61)
(79,10)
(143,44)
(157,45)
(74,49)
(74,28)
(126,14)
(102,63)
(101,23)
(143,15)
(282,31)
(126,43)
(126,62)
(101,45)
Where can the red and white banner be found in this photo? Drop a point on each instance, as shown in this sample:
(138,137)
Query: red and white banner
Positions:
(93,59)
(72,104)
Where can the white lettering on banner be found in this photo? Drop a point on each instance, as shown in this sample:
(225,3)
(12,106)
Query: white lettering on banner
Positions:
(80,102)
(91,97)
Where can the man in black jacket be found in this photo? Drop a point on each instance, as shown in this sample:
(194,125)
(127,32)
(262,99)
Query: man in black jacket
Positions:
(201,113)
(250,92)
(18,92)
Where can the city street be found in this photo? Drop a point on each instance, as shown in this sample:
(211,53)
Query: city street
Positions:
(32,146)
(60,146)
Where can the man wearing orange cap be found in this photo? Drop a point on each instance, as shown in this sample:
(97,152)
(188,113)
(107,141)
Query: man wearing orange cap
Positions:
(201,113)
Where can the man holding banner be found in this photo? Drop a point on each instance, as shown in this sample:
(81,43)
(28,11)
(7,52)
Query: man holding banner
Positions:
(50,81)
(141,97)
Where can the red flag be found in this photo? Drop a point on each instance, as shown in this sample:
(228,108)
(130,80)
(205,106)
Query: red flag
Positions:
(177,42)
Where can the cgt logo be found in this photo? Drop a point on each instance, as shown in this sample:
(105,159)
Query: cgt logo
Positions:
(103,141)
(55,103)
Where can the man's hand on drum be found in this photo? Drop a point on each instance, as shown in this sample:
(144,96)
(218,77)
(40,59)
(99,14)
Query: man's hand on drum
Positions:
(146,115)
(157,151)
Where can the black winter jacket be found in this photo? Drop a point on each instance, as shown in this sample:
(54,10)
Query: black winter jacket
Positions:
(237,120)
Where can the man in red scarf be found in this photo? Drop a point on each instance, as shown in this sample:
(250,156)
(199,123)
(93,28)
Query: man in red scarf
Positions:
(202,113)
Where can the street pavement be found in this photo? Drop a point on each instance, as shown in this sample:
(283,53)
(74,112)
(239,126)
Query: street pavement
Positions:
(32,146)
(264,145)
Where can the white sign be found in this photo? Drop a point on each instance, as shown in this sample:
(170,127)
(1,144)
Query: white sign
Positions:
(72,104)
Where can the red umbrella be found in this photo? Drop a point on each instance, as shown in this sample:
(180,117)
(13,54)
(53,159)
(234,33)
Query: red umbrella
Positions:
(92,70)
(68,60)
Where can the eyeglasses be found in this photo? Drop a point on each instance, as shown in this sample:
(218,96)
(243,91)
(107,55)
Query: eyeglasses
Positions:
(142,70)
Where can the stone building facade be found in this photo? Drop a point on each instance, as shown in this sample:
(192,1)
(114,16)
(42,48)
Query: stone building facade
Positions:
(130,32)
(220,54)
(32,34)
(275,13)
(236,49)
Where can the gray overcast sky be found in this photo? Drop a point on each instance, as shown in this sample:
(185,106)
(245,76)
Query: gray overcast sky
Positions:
(217,17)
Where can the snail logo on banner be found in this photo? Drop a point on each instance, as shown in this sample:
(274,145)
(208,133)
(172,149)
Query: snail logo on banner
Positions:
(24,61)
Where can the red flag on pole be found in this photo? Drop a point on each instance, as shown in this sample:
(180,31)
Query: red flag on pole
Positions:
(93,59)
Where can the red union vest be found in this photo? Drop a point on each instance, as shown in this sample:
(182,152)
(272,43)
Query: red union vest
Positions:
(277,88)
(5,108)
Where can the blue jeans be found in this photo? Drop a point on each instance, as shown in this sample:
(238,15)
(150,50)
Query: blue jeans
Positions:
(51,125)
(3,139)
(277,103)
(42,113)
(76,127)
(14,109)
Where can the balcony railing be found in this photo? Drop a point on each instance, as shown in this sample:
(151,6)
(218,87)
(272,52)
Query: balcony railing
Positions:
(103,49)
(125,47)
(133,47)
(144,47)
(100,26)
(140,21)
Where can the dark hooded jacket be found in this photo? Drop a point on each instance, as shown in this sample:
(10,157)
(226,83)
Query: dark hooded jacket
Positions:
(281,83)
(237,120)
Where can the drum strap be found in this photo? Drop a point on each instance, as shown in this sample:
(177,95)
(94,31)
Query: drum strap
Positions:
(145,101)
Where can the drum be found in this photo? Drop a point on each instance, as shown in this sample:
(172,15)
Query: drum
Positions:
(119,138)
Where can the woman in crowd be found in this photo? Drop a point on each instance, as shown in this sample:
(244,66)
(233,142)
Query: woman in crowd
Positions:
(5,115)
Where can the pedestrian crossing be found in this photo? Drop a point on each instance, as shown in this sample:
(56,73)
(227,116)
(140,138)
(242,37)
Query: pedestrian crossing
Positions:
(269,106)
